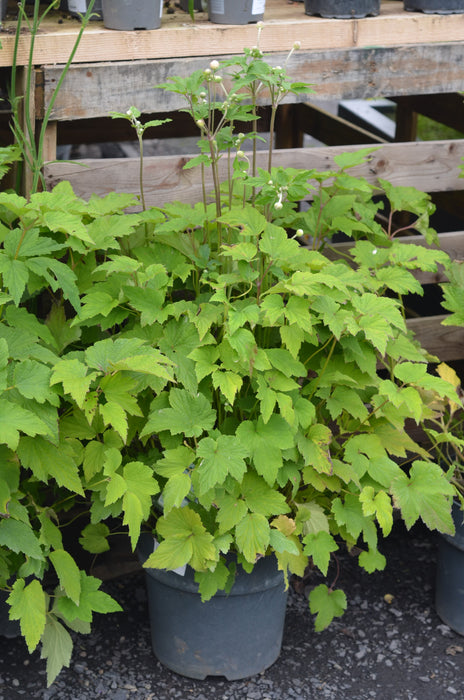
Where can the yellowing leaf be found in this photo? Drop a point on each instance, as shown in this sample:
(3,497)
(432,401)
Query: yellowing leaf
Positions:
(29,607)
(327,604)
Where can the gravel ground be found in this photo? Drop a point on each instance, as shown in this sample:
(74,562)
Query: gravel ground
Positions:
(387,650)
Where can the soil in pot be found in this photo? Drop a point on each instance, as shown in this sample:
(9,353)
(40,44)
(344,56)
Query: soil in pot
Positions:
(342,9)
(236,635)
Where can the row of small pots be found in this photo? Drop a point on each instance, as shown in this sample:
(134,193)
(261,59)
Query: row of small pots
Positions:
(146,14)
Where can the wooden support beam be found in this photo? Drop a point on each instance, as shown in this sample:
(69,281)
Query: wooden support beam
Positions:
(406,120)
(288,133)
(336,74)
(446,108)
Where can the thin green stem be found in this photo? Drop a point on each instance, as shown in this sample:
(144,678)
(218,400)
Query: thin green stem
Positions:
(142,193)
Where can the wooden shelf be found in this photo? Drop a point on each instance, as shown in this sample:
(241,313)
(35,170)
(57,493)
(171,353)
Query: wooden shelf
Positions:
(285,23)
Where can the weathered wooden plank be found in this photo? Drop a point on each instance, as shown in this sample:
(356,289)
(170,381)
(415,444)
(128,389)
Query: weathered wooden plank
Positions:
(446,342)
(285,23)
(93,90)
(431,166)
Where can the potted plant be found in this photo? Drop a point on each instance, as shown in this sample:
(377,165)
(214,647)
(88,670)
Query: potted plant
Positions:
(45,250)
(446,435)
(342,9)
(236,11)
(192,5)
(441,7)
(78,8)
(283,432)
(132,14)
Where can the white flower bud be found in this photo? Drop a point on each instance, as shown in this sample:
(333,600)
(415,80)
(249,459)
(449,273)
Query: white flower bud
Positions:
(214,65)
(299,232)
(240,154)
(297,45)
(278,205)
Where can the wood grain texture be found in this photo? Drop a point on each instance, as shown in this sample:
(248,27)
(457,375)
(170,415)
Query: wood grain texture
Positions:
(285,23)
(430,166)
(94,89)
(446,342)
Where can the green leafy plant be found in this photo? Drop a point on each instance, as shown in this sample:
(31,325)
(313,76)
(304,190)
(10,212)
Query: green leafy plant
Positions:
(31,144)
(445,429)
(133,117)
(52,373)
(283,431)
(206,373)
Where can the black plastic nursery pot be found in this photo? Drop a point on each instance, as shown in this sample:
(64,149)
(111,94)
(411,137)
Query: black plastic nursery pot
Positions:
(342,9)
(235,635)
(439,7)
(449,590)
(132,14)
(236,11)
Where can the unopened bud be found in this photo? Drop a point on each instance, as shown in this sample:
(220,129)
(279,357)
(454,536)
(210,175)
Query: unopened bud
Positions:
(214,65)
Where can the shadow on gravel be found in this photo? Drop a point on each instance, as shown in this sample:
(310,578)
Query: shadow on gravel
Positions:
(389,645)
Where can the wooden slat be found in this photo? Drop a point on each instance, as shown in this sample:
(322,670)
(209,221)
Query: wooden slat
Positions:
(446,342)
(285,23)
(93,90)
(431,166)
